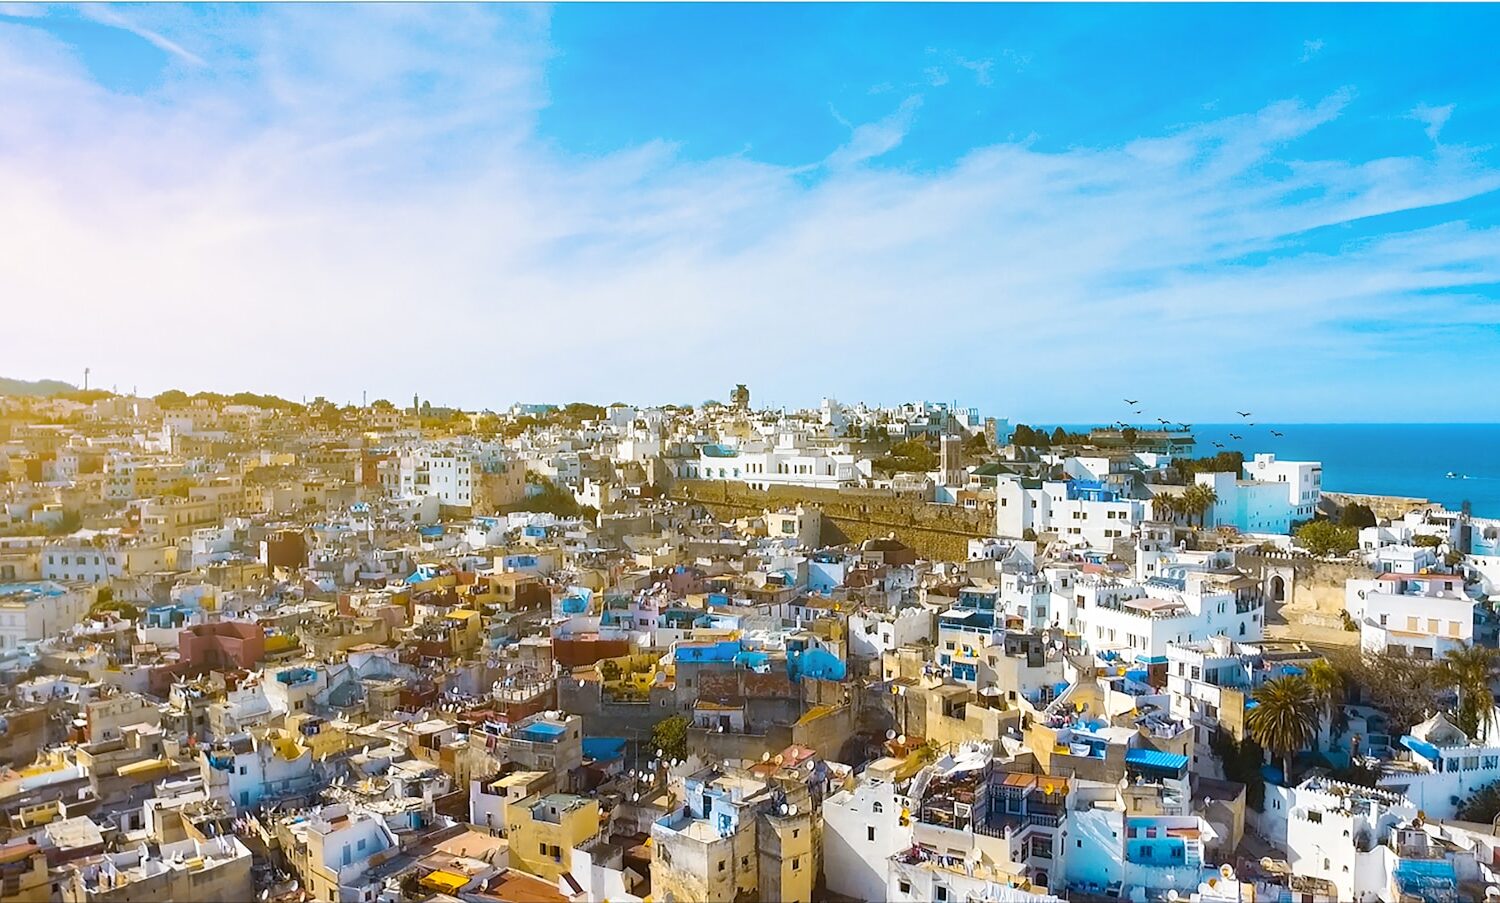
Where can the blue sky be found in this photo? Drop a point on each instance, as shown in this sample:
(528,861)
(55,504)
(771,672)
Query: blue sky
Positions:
(1033,209)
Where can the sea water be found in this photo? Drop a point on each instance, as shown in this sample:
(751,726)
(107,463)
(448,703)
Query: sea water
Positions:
(1405,459)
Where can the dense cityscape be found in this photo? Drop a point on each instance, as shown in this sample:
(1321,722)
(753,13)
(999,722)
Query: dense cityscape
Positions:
(262,649)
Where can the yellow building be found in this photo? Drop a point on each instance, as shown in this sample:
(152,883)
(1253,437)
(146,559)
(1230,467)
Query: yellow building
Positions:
(23,873)
(543,830)
(468,631)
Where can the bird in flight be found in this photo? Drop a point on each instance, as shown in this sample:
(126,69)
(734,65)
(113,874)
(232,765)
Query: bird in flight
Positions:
(1138,412)
(1131,401)
(1243,413)
(1218,445)
(1249,424)
(1233,436)
(1162,420)
(1274,433)
(1186,426)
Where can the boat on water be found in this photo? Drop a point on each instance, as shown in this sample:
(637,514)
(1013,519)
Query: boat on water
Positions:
(1457,476)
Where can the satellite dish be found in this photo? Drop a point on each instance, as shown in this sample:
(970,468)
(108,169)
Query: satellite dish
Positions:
(785,810)
(890,735)
(1227,871)
(765,757)
(901,739)
(792,810)
(1171,896)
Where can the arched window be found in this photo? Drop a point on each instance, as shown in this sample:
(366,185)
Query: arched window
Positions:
(878,808)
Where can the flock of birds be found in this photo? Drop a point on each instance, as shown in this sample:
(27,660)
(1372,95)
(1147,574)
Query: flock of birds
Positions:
(1244,418)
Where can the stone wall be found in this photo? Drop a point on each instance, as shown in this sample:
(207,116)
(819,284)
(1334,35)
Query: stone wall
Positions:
(1316,594)
(1390,507)
(935,531)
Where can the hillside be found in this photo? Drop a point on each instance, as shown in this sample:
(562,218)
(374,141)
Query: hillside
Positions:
(37,387)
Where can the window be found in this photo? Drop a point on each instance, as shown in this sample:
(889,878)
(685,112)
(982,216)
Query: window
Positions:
(721,865)
(940,893)
(904,886)
(870,833)
(796,863)
(878,808)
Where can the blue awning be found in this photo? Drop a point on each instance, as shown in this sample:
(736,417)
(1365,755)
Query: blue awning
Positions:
(1141,757)
(1421,747)
(603,749)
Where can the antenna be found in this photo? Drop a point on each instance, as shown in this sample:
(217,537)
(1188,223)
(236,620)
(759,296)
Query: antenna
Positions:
(86,372)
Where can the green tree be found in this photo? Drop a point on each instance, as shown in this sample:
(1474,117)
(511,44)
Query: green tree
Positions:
(172,398)
(1323,538)
(1483,806)
(1357,516)
(1198,500)
(1401,686)
(909,456)
(1131,435)
(1328,685)
(1223,462)
(670,736)
(1165,506)
(1469,671)
(1242,761)
(114,606)
(1426,541)
(1284,720)
(1059,436)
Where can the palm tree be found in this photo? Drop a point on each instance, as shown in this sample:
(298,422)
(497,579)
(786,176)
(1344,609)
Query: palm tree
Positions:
(1199,499)
(1327,684)
(1285,718)
(1164,507)
(1210,499)
(1469,671)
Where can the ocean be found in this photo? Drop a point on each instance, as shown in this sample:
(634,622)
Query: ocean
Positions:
(1408,459)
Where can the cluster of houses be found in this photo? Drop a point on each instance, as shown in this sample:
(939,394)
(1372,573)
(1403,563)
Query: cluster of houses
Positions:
(299,653)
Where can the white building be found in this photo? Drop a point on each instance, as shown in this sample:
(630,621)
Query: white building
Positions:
(1423,615)
(1269,497)
(862,829)
(38,610)
(1081,512)
(1444,766)
(788,462)
(1333,831)
(446,474)
(1182,605)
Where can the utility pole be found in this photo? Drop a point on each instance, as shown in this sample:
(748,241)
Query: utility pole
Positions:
(85,379)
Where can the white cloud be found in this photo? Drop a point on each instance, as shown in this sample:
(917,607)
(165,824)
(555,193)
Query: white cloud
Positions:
(285,220)
(980,68)
(872,139)
(1434,118)
(106,15)
(1311,48)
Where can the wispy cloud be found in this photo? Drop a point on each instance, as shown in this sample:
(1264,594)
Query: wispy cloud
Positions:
(366,202)
(872,139)
(106,15)
(1433,118)
(980,68)
(1311,48)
